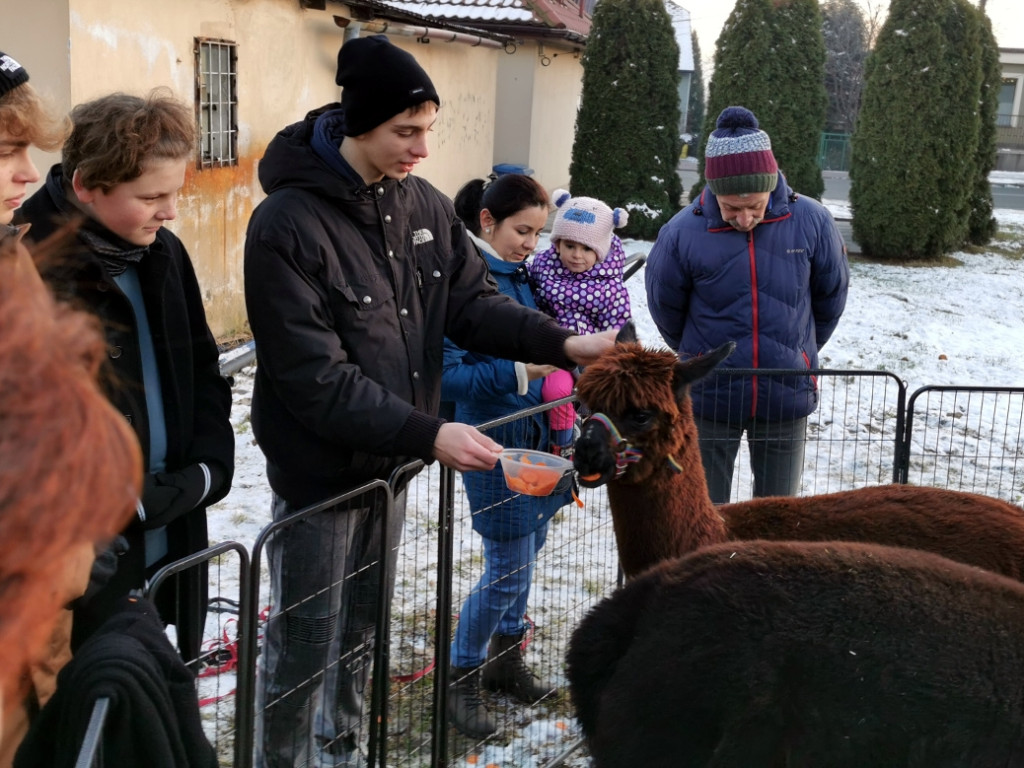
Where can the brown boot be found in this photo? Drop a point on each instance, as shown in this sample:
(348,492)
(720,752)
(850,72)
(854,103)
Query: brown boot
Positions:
(466,710)
(506,671)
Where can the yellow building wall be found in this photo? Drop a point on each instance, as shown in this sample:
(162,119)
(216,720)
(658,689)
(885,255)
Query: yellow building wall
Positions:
(556,99)
(77,50)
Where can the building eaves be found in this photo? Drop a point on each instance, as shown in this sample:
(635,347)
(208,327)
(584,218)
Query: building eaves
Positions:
(366,10)
(521,18)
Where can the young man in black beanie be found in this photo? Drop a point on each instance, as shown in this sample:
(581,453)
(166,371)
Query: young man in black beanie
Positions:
(355,271)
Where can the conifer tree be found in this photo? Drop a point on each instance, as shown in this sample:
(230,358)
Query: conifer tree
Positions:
(695,105)
(627,142)
(770,58)
(982,225)
(913,166)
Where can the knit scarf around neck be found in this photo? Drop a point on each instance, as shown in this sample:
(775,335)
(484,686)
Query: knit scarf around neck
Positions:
(115,254)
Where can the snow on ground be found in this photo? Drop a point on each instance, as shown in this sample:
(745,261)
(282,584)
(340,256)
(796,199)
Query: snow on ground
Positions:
(958,323)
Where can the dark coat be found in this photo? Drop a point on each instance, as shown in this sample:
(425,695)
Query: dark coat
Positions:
(196,398)
(778,292)
(153,718)
(484,388)
(350,291)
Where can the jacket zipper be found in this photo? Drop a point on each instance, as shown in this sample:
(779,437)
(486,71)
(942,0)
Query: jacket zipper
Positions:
(754,321)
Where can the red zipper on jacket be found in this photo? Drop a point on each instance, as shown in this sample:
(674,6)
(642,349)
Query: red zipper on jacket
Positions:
(807,362)
(755,321)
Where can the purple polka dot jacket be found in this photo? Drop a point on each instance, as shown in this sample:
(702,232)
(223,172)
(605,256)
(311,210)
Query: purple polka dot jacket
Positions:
(585,302)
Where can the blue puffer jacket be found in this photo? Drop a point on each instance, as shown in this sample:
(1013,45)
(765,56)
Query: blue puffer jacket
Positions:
(485,388)
(777,291)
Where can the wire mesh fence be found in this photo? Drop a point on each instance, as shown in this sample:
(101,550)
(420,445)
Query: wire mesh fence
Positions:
(223,693)
(864,431)
(967,439)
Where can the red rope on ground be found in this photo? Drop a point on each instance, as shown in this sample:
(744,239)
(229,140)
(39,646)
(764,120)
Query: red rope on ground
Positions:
(224,644)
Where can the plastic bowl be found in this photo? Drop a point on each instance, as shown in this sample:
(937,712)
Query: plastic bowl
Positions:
(534,473)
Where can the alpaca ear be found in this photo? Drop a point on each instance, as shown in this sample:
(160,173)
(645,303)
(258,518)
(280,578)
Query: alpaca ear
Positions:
(688,371)
(627,334)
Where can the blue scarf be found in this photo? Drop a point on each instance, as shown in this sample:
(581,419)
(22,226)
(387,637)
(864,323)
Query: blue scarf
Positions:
(328,133)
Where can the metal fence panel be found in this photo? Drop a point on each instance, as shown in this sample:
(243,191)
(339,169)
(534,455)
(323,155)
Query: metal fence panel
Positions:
(440,565)
(224,694)
(864,432)
(305,618)
(852,437)
(967,439)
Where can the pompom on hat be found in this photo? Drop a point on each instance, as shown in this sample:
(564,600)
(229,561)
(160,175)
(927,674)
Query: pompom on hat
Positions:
(587,221)
(379,80)
(12,74)
(738,159)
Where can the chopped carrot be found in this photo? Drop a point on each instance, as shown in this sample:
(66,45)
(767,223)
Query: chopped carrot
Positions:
(473,759)
(579,501)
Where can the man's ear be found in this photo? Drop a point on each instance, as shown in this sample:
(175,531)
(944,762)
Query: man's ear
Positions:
(85,196)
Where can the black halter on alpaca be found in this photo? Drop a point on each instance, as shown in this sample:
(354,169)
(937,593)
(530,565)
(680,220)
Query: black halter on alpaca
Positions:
(624,451)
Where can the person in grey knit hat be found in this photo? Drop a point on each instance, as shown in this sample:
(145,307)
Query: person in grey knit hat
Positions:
(749,261)
(355,271)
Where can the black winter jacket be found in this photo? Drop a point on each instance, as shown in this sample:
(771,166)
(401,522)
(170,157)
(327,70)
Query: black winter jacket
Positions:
(350,291)
(196,398)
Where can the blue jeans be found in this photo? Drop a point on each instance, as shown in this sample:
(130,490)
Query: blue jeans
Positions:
(497,604)
(317,652)
(776,455)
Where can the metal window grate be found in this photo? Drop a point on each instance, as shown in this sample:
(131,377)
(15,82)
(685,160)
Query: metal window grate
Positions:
(216,103)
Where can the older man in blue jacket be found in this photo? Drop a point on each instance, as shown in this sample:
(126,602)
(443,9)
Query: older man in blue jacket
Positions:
(749,261)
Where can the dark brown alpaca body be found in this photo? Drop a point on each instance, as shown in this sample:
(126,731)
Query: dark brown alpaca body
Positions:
(661,512)
(847,655)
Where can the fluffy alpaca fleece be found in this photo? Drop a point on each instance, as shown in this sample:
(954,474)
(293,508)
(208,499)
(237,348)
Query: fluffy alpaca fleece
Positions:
(660,513)
(778,654)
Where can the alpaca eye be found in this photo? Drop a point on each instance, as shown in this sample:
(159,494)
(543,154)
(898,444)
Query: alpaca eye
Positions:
(641,418)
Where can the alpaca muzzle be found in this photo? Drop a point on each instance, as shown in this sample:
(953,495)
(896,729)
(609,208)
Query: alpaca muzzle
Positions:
(601,453)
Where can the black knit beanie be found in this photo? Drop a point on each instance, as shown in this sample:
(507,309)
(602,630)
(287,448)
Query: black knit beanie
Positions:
(379,80)
(12,74)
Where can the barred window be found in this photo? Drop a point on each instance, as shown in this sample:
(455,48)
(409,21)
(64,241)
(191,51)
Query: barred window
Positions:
(216,102)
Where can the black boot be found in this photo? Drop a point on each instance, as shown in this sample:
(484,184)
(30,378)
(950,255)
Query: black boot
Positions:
(505,671)
(466,710)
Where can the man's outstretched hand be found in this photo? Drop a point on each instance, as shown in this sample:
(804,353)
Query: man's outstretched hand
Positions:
(585,350)
(465,448)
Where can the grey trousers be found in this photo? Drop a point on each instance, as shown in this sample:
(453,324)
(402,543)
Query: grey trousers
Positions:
(776,455)
(325,578)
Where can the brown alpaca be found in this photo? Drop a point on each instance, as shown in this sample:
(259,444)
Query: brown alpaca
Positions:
(659,498)
(840,654)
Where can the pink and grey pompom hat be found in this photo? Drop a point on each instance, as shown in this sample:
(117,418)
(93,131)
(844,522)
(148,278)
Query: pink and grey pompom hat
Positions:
(587,221)
(738,159)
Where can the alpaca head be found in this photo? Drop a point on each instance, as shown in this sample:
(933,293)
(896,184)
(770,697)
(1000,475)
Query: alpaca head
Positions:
(640,402)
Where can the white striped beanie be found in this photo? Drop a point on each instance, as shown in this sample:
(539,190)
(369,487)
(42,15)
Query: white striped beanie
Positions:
(738,159)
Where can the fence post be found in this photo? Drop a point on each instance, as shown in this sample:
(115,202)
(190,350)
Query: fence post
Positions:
(443,619)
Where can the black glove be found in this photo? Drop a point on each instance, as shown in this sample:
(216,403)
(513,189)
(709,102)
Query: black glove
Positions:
(169,495)
(103,569)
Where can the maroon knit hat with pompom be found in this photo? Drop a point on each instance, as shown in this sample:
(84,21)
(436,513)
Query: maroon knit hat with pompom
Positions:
(738,159)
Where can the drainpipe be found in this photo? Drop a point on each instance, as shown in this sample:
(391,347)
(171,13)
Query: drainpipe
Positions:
(379,27)
(351,31)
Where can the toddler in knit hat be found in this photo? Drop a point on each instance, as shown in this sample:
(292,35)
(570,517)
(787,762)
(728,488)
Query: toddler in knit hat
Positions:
(579,282)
